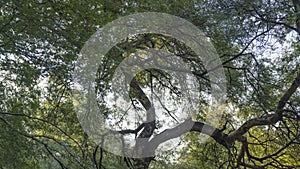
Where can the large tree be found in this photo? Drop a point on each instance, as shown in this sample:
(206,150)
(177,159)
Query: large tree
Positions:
(257,42)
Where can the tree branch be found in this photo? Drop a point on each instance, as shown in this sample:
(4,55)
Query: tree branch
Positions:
(268,119)
(185,127)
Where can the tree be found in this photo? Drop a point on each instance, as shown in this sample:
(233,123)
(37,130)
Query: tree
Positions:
(258,44)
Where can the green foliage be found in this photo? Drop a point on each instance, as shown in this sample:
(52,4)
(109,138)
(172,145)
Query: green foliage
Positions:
(40,42)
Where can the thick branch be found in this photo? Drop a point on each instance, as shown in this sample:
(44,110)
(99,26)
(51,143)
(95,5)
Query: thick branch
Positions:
(129,131)
(150,119)
(217,134)
(185,127)
(296,4)
(269,119)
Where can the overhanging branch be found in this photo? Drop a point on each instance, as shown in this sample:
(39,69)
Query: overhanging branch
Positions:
(268,119)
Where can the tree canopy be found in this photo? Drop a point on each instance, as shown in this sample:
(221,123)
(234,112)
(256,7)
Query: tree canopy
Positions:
(257,43)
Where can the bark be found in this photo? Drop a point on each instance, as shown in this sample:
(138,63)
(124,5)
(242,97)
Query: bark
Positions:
(296,4)
(218,135)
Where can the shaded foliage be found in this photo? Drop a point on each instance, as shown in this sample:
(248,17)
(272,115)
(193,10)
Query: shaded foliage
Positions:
(257,41)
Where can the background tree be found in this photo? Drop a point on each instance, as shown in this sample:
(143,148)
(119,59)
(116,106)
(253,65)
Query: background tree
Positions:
(257,41)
